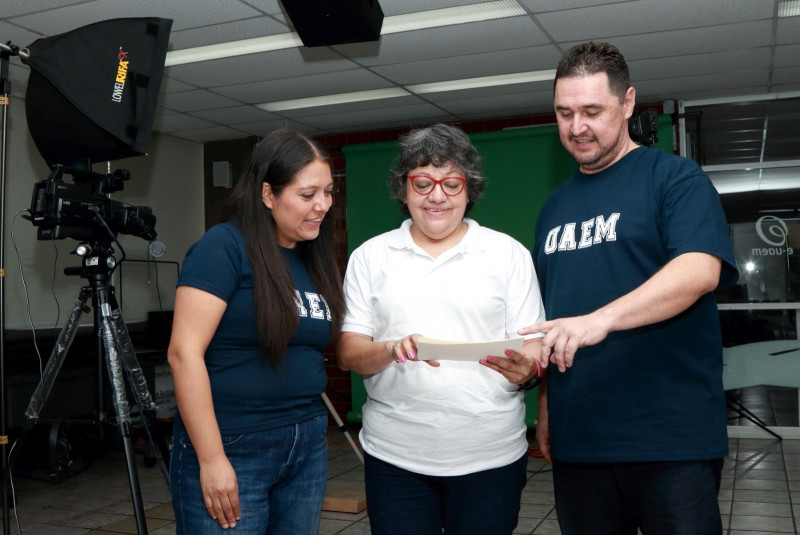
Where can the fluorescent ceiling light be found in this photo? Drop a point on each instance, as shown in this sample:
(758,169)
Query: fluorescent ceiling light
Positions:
(328,100)
(451,16)
(483,81)
(790,8)
(433,18)
(417,89)
(234,48)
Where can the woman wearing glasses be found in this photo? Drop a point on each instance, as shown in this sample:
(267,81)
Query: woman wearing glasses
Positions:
(445,441)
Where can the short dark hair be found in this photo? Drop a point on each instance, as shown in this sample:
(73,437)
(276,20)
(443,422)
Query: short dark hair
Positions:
(439,145)
(590,58)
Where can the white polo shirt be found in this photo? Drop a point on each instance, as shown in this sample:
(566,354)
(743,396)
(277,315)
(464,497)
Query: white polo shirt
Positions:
(462,417)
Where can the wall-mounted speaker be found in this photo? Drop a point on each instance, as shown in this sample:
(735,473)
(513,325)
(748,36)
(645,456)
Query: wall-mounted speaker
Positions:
(334,22)
(221,172)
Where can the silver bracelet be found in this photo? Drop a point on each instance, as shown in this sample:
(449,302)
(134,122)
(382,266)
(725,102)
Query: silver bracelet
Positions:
(390,349)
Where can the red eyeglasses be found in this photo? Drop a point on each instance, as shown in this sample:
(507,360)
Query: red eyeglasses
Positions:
(424,184)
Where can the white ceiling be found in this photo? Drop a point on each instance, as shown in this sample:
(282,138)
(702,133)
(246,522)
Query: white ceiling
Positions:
(676,49)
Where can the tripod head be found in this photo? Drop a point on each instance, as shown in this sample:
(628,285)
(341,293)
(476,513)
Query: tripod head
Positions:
(97,261)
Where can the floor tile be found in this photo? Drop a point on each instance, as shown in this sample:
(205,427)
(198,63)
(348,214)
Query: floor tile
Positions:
(760,484)
(763,523)
(761,496)
(762,509)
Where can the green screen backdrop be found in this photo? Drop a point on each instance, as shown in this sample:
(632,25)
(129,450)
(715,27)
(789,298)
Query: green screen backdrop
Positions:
(523,166)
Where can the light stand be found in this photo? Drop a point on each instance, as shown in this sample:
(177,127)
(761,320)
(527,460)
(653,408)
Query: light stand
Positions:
(6,51)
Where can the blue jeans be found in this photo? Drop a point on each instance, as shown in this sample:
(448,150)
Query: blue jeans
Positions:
(400,502)
(660,498)
(281,474)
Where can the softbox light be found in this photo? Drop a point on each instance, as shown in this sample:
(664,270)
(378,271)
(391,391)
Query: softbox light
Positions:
(92,91)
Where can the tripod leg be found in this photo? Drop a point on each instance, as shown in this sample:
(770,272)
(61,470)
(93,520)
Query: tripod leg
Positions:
(63,343)
(53,366)
(137,380)
(342,427)
(135,374)
(114,365)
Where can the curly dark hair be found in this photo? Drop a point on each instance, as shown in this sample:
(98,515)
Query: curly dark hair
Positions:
(439,145)
(590,58)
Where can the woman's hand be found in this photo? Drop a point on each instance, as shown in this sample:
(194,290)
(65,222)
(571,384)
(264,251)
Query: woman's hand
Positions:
(518,368)
(406,349)
(220,491)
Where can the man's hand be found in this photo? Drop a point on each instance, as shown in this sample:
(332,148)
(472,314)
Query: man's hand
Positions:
(564,336)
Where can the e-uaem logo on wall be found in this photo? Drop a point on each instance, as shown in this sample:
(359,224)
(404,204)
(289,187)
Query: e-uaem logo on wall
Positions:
(774,232)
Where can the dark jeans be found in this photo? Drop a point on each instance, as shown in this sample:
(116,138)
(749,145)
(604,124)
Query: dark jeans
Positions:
(660,498)
(400,502)
(281,475)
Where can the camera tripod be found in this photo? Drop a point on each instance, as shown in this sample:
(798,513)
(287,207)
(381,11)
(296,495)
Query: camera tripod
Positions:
(121,363)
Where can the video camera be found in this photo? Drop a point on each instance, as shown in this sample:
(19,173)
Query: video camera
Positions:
(83,212)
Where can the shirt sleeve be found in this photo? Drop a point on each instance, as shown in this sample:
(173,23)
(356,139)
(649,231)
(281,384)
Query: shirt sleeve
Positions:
(523,299)
(693,221)
(358,295)
(214,263)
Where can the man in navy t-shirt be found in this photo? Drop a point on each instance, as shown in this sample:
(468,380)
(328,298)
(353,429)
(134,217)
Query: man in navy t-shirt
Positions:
(628,251)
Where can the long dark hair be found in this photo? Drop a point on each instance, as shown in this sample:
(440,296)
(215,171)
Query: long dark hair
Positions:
(276,159)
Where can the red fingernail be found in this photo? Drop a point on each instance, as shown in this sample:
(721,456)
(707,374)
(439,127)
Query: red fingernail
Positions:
(509,352)
(490,359)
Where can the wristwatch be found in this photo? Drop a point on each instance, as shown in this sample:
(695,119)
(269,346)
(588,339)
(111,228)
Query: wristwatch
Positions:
(530,384)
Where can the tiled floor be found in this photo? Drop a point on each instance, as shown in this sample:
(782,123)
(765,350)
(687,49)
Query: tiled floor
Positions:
(760,494)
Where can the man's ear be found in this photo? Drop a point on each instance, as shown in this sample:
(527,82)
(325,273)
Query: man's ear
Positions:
(266,195)
(629,102)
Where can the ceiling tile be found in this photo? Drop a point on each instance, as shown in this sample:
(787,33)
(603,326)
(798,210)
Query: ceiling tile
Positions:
(18,36)
(381,117)
(171,85)
(305,86)
(215,133)
(491,92)
(271,7)
(788,31)
(172,122)
(656,90)
(787,55)
(262,128)
(449,41)
(349,107)
(699,64)
(186,13)
(197,99)
(221,33)
(259,67)
(542,6)
(649,16)
(491,63)
(13,8)
(787,75)
(500,106)
(691,41)
(235,115)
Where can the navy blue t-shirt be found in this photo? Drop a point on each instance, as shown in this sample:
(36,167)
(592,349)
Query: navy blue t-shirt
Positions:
(250,394)
(653,393)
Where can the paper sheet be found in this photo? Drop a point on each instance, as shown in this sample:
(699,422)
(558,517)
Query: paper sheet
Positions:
(429,349)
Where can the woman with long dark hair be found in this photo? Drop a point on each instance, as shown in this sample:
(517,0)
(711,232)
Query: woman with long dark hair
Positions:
(259,297)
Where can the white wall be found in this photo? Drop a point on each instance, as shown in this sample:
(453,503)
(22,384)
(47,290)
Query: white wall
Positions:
(169,179)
